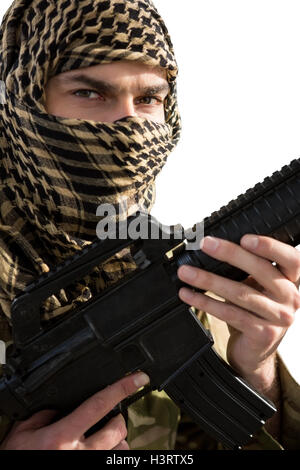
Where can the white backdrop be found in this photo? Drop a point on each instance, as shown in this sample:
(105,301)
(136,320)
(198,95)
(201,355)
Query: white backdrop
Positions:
(239,97)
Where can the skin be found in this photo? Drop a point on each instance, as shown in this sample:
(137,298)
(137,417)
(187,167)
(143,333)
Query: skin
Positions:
(117,90)
(40,432)
(257,311)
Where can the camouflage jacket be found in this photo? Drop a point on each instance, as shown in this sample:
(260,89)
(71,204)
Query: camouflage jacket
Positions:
(155,422)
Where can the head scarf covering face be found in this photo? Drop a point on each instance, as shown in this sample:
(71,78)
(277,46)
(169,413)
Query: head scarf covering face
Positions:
(56,171)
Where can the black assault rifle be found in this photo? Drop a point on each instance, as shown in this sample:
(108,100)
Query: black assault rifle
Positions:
(140,324)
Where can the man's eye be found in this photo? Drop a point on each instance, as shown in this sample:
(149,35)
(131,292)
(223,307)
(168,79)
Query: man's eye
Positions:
(149,100)
(87,94)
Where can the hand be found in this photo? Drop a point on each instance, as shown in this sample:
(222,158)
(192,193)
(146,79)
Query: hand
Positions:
(37,432)
(259,310)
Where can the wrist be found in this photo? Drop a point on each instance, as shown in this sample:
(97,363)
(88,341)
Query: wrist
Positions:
(267,382)
(263,377)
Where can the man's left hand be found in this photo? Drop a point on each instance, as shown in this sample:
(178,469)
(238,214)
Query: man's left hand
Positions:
(259,310)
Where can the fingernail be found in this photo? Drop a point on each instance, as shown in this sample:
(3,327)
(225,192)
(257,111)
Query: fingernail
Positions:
(209,244)
(188,273)
(250,242)
(141,379)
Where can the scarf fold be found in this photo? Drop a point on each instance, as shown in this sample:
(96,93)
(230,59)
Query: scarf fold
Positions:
(54,171)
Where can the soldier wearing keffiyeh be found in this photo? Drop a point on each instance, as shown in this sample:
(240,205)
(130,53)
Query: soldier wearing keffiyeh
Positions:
(47,211)
(55,172)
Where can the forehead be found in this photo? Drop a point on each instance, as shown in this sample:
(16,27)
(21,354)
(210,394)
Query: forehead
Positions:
(115,71)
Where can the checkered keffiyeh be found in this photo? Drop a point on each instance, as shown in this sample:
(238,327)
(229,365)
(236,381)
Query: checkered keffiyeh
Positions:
(56,171)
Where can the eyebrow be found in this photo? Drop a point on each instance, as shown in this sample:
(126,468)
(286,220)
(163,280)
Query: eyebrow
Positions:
(101,85)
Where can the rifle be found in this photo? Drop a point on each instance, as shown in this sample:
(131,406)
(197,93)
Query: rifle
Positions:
(141,324)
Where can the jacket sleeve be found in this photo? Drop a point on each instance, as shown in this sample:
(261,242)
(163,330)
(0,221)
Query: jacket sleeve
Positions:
(290,421)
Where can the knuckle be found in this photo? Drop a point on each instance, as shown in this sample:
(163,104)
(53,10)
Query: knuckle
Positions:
(256,334)
(120,428)
(111,436)
(243,294)
(113,433)
(296,301)
(228,249)
(97,403)
(294,277)
(206,280)
(126,387)
(269,334)
(263,335)
(297,261)
(202,302)
(291,299)
(266,244)
(286,318)
(232,316)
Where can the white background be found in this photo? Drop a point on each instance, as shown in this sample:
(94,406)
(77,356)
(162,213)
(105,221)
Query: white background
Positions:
(239,96)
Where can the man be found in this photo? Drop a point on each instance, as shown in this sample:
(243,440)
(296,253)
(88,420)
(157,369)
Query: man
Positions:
(89,116)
